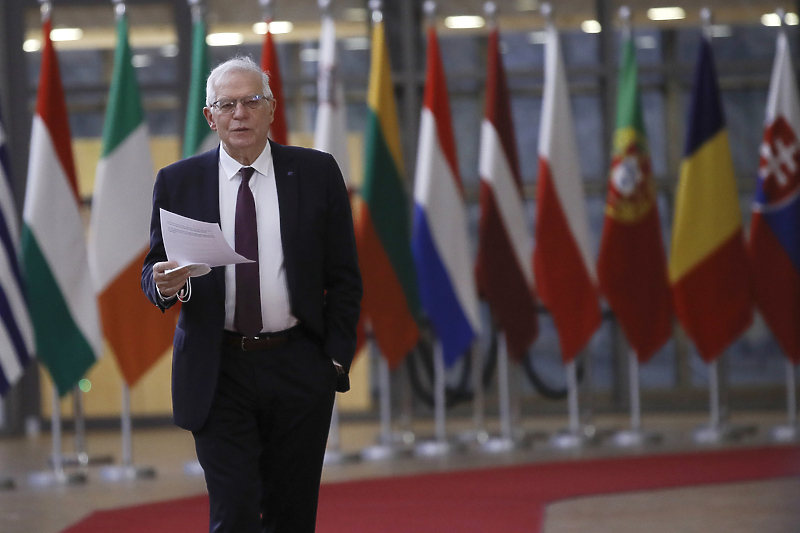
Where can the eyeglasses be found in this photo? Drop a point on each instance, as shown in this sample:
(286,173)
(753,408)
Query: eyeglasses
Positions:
(228,105)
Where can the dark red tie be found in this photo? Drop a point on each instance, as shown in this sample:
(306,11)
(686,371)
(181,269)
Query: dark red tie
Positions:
(247,317)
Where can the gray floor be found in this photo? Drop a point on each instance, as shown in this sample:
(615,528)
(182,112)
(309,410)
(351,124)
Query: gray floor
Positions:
(763,507)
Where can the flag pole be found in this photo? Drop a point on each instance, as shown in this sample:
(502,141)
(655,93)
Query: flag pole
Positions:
(81,457)
(791,430)
(127,470)
(57,476)
(439,445)
(505,442)
(385,448)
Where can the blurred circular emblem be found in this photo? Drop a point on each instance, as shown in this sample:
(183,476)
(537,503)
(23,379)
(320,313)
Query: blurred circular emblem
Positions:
(779,164)
(630,190)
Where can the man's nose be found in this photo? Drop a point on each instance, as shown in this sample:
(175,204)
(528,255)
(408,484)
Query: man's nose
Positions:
(240,109)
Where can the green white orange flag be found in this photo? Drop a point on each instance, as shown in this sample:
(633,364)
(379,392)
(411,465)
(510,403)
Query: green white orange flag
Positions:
(61,298)
(632,266)
(708,262)
(391,297)
(136,331)
(197,136)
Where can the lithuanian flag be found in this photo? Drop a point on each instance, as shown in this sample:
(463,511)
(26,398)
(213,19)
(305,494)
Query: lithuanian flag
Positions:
(708,265)
(391,297)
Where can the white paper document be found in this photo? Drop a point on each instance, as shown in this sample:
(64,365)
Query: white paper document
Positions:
(196,245)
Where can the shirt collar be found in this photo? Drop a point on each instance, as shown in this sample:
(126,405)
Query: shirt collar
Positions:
(230,166)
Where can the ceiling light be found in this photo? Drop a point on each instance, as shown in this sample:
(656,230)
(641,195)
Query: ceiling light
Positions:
(355,14)
(275,27)
(666,13)
(464,22)
(537,37)
(591,26)
(646,42)
(224,39)
(66,34)
(32,45)
(141,60)
(772,19)
(356,43)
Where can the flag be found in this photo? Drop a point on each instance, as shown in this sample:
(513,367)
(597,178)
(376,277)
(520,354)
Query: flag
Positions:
(16,331)
(330,133)
(391,297)
(270,65)
(136,330)
(562,262)
(632,266)
(198,137)
(440,241)
(502,268)
(708,263)
(61,298)
(774,245)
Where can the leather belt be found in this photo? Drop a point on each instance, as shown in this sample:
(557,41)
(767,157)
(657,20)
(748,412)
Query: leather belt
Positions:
(265,341)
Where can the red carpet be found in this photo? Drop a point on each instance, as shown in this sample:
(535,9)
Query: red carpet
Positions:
(510,499)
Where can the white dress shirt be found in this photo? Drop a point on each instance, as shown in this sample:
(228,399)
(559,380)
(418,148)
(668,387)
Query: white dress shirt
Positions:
(276,313)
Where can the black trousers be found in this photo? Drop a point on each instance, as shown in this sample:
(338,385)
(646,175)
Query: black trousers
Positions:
(263,445)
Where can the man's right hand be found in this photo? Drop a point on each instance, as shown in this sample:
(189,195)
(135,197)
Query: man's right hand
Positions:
(169,284)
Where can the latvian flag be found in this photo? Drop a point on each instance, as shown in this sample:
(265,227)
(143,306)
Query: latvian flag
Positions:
(775,228)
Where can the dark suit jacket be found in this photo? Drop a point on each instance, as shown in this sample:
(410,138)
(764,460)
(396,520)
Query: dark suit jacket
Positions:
(319,258)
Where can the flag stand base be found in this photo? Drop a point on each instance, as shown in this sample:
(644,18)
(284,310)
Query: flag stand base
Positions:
(193,468)
(473,436)
(380,452)
(433,448)
(569,439)
(498,445)
(785,433)
(56,478)
(127,473)
(717,434)
(632,438)
(83,459)
(337,457)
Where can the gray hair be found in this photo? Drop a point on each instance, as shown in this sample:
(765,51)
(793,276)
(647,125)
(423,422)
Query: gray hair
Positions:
(237,64)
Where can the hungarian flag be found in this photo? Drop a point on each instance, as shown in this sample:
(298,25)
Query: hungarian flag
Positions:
(16,331)
(440,241)
(136,331)
(775,227)
(708,263)
(61,298)
(562,261)
(270,65)
(391,297)
(330,133)
(198,137)
(504,242)
(632,266)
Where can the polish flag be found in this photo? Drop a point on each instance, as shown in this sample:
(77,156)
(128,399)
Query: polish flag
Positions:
(562,262)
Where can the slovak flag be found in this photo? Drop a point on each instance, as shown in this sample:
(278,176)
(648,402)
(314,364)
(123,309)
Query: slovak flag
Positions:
(440,241)
(774,246)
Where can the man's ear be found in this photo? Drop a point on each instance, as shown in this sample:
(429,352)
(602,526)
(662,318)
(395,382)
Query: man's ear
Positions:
(209,118)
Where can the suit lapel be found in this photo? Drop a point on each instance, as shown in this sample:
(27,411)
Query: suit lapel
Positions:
(209,165)
(286,183)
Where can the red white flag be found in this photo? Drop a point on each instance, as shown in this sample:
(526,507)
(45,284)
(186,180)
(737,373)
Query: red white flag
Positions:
(504,279)
(562,263)
(269,64)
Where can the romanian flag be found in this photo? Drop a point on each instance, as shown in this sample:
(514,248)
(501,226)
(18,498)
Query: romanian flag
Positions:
(198,137)
(632,266)
(708,264)
(270,64)
(391,297)
(440,239)
(61,297)
(118,240)
(562,263)
(775,228)
(503,272)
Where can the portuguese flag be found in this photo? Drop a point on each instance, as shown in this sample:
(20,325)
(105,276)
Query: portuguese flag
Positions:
(391,298)
(632,266)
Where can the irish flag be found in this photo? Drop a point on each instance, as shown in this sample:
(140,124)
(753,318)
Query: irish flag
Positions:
(775,228)
(562,260)
(197,136)
(502,269)
(632,266)
(391,297)
(708,262)
(136,331)
(270,64)
(440,241)
(61,298)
